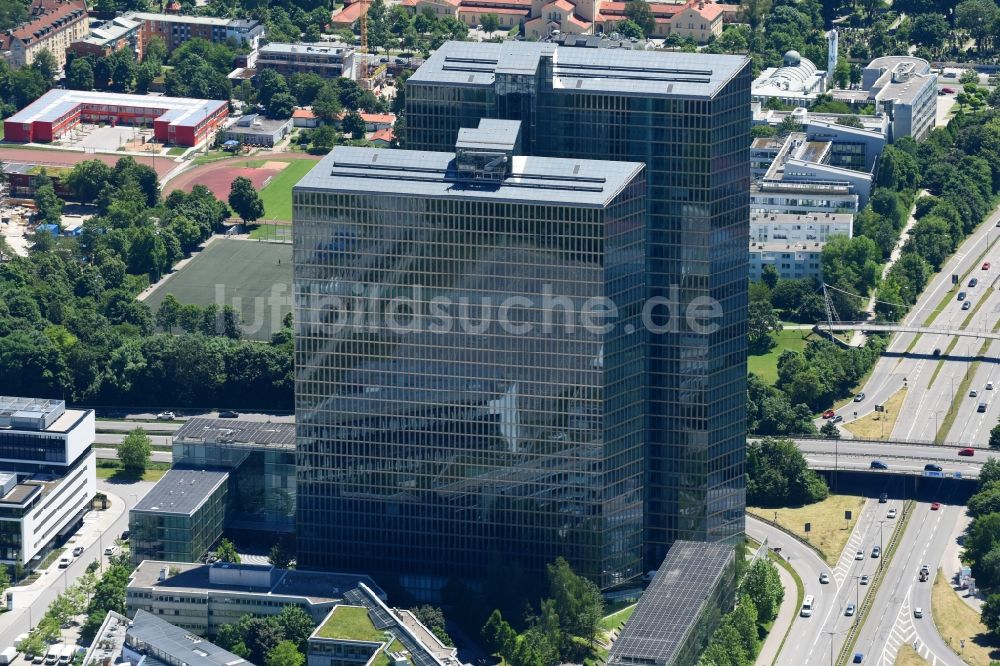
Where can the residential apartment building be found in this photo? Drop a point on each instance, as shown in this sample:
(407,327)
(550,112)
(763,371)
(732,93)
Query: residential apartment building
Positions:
(793,260)
(371,478)
(47,476)
(52,26)
(330,59)
(176,29)
(119,33)
(204,597)
(809,227)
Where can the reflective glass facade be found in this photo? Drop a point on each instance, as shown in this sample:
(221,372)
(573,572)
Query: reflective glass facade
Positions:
(686,117)
(480,434)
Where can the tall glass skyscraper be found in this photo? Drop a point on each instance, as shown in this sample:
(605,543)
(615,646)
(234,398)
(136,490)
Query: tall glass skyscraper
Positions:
(686,117)
(470,360)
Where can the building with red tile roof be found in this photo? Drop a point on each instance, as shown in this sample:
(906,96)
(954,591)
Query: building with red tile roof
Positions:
(382,138)
(347,16)
(52,25)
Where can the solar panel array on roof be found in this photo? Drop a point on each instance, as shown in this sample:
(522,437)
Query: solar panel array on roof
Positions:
(672,604)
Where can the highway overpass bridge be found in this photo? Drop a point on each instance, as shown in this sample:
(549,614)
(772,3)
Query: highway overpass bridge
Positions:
(878,327)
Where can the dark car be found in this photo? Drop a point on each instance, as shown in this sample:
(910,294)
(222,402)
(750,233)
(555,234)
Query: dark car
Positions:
(967,305)
(937,351)
(229,414)
(878,464)
(859,657)
(966,452)
(973,282)
(125,535)
(931,467)
(884,497)
(961,295)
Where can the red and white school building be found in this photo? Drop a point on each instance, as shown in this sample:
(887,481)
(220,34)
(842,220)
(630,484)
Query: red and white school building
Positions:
(177,120)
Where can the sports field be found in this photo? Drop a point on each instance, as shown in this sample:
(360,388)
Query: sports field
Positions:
(242,273)
(277,194)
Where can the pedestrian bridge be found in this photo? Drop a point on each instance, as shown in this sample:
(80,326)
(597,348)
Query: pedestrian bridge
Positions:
(878,327)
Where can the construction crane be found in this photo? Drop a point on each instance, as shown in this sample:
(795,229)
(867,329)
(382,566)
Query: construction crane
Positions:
(363,77)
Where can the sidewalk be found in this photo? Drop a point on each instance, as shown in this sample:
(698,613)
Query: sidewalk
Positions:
(95,523)
(951,563)
(782,623)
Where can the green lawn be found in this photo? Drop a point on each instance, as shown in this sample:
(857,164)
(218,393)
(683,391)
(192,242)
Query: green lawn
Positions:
(351,623)
(615,620)
(177,150)
(277,194)
(766,365)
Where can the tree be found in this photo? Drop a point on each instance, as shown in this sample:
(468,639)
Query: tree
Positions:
(498,636)
(278,557)
(81,75)
(995,437)
(354,124)
(929,30)
(830,430)
(135,451)
(777,475)
(285,654)
(88,178)
(842,73)
(763,585)
(168,314)
(327,105)
(296,625)
(744,620)
(281,106)
(629,29)
(978,17)
(45,64)
(638,12)
(432,617)
(491,23)
(578,601)
(145,75)
(762,321)
(245,200)
(48,203)
(226,552)
(155,51)
(987,500)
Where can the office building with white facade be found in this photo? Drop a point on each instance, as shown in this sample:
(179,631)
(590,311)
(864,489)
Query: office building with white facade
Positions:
(803,228)
(791,260)
(47,476)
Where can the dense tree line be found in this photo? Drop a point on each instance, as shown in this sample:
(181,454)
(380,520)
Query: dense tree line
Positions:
(982,542)
(20,87)
(563,629)
(777,475)
(71,326)
(737,639)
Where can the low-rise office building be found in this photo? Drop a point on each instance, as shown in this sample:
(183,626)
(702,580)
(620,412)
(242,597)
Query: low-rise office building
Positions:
(363,628)
(147,640)
(877,122)
(255,130)
(901,87)
(203,597)
(175,29)
(328,59)
(181,517)
(47,476)
(798,198)
(674,620)
(798,81)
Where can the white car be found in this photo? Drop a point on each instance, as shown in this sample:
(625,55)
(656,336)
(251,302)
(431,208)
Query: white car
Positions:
(64,562)
(865,579)
(165,416)
(824,578)
(859,555)
(918,612)
(892,513)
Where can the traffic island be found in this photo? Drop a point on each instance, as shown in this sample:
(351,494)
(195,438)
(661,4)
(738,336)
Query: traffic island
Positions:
(828,530)
(960,626)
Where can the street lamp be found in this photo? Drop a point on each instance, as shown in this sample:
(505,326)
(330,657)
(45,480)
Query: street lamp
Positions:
(831,634)
(857,598)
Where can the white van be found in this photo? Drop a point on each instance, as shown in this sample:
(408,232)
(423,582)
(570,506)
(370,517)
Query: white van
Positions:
(807,606)
(52,656)
(111,550)
(67,654)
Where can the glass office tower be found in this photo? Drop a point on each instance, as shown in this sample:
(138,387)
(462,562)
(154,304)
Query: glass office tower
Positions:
(469,361)
(686,116)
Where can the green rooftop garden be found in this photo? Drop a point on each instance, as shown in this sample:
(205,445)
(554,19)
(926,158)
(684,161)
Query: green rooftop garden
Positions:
(350,623)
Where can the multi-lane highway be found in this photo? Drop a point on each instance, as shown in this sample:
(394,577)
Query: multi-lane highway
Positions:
(892,621)
(926,404)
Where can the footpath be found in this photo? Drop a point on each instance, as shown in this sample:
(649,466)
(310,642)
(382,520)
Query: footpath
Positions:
(782,623)
(91,537)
